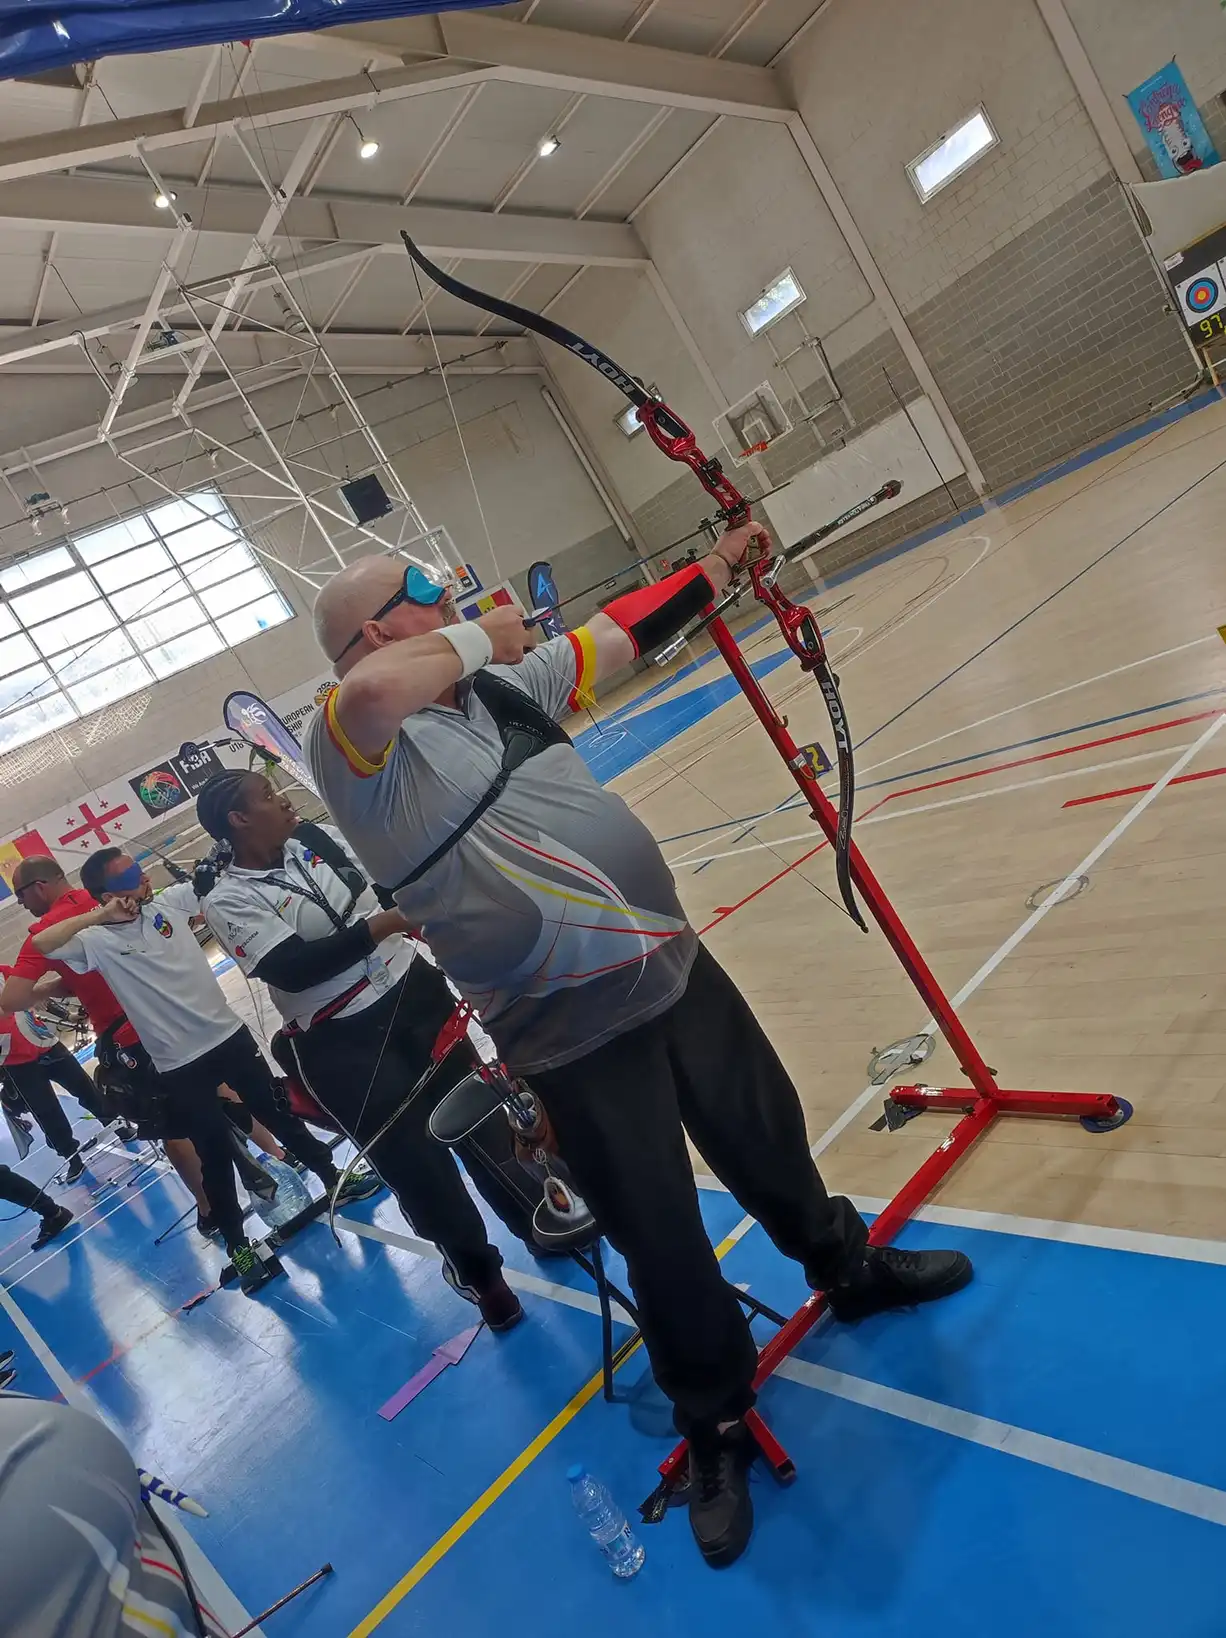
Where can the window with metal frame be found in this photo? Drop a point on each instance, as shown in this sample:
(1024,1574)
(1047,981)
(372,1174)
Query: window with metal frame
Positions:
(118,608)
(956,151)
(782,295)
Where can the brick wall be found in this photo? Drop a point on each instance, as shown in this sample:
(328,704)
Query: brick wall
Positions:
(1055,341)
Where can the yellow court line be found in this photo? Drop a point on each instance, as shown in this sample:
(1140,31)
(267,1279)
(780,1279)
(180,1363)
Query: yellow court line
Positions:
(500,1486)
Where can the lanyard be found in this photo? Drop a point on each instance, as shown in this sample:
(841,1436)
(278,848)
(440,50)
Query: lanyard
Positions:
(307,889)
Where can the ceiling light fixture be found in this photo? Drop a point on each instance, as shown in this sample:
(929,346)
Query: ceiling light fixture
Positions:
(549,145)
(163,201)
(367,146)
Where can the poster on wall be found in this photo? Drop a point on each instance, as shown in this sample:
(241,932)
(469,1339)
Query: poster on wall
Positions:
(1170,121)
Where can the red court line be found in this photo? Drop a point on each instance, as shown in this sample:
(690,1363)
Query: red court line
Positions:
(1138,790)
(723,911)
(122,1348)
(1066,750)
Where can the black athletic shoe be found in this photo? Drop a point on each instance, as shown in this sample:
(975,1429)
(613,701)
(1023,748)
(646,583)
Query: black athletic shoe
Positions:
(500,1308)
(254,1265)
(206,1227)
(890,1278)
(75,1167)
(7,1378)
(55,1222)
(721,1512)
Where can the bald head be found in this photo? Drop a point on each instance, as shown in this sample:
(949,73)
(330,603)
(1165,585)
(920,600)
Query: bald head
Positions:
(37,868)
(37,883)
(349,599)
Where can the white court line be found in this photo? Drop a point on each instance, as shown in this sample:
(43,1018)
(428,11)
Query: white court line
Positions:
(871,1091)
(228,1609)
(1198,1501)
(1078,1461)
(1039,699)
(66,1245)
(532,1283)
(945,802)
(969,727)
(1180,1248)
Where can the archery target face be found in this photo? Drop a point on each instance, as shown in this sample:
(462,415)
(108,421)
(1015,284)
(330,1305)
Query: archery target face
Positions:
(1203,294)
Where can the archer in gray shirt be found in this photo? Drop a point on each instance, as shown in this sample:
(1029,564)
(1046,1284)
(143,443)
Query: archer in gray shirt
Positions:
(551,907)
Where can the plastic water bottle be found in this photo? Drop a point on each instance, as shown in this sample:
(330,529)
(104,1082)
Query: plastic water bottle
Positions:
(292,1194)
(605,1523)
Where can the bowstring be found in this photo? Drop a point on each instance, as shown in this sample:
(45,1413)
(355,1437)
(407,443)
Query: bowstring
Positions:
(679,773)
(588,703)
(455,420)
(364,1149)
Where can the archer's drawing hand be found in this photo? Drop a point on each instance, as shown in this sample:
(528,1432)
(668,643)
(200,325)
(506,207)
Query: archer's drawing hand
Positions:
(506,631)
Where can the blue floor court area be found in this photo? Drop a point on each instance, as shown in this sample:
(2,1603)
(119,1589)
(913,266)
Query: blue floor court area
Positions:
(1043,1453)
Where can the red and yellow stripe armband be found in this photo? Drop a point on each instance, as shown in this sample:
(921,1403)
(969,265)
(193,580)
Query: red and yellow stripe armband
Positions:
(365,767)
(653,614)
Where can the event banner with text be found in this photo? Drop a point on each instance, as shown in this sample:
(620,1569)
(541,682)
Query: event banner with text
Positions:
(136,801)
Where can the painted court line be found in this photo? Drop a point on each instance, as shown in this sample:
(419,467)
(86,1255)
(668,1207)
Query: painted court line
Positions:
(1039,699)
(1139,1242)
(1198,1501)
(837,1127)
(208,1582)
(750,821)
(875,817)
(532,1283)
(1107,796)
(1181,1248)
(86,1227)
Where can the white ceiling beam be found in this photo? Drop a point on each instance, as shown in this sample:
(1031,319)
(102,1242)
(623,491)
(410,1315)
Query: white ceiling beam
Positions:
(560,58)
(78,204)
(354,353)
(164,128)
(26,343)
(477,49)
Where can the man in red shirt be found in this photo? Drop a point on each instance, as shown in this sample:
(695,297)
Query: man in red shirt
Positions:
(34,1062)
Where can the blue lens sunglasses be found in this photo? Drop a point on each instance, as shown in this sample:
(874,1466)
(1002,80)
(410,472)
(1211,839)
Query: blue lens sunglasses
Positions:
(419,587)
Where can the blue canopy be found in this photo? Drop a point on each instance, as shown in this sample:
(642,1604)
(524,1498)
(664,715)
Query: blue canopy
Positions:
(35,36)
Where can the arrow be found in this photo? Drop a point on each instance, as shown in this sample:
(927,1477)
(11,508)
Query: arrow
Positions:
(451,1353)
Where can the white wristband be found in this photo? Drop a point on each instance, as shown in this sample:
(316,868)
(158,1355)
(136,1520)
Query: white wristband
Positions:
(471,642)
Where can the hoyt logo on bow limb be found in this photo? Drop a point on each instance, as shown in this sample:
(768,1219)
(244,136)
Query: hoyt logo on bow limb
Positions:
(606,366)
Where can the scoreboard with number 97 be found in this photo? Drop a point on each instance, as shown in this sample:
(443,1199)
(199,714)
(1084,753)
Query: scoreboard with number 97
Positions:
(1197,277)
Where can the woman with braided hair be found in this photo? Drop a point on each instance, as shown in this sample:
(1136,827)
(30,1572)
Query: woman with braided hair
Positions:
(362,1008)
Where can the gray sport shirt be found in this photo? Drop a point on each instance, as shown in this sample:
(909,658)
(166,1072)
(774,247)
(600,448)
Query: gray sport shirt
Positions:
(555,915)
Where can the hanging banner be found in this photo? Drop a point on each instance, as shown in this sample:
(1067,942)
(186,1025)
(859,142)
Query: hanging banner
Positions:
(35,37)
(1164,109)
(543,594)
(257,723)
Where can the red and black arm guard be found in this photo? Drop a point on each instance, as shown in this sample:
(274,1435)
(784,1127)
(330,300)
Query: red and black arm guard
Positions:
(653,614)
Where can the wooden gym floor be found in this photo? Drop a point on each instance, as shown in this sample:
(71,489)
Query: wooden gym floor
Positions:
(1044,1453)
